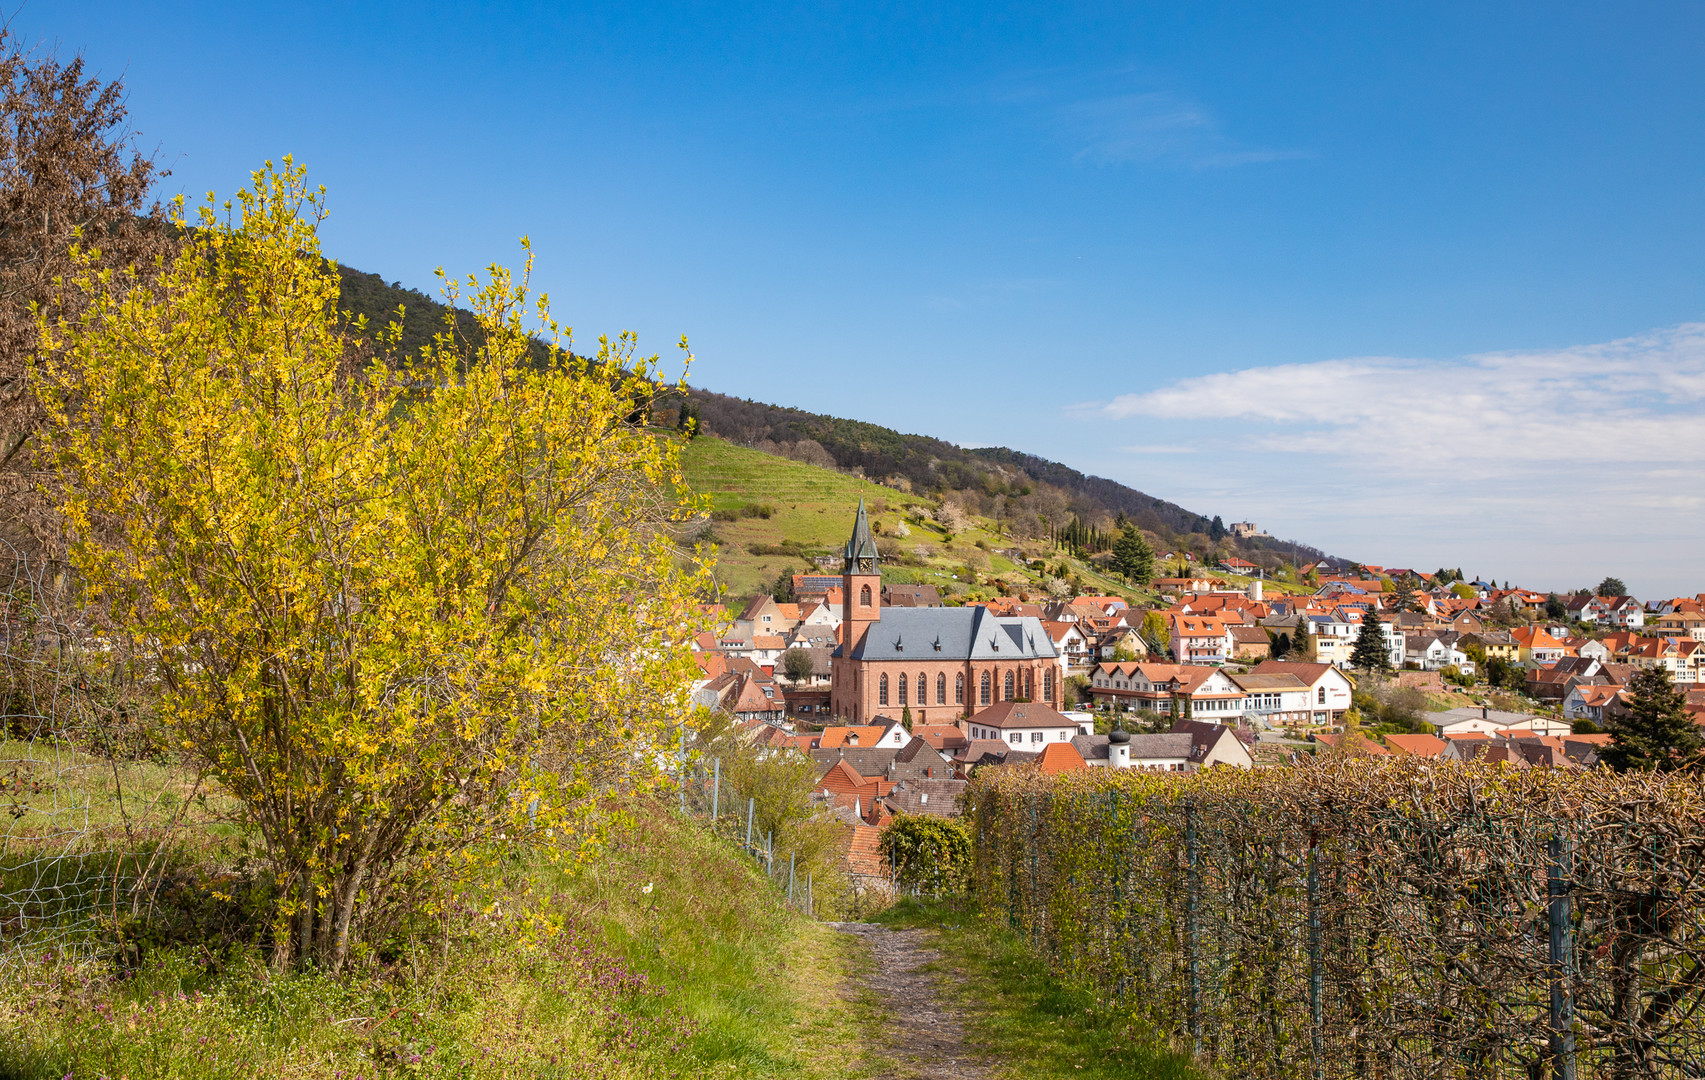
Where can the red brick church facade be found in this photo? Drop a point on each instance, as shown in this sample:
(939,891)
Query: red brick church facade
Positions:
(941,664)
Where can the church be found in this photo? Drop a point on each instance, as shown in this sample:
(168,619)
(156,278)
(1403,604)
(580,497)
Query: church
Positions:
(943,664)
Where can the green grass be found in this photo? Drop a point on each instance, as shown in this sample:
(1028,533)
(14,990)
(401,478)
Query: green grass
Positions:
(1036,1024)
(814,509)
(546,974)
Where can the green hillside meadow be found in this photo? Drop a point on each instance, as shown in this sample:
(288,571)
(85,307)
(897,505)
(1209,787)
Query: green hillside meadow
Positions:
(811,511)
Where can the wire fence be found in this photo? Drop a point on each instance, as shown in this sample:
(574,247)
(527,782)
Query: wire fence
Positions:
(1370,921)
(66,862)
(705,795)
(805,851)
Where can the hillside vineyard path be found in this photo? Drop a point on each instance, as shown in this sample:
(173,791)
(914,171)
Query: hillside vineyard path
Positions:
(923,1036)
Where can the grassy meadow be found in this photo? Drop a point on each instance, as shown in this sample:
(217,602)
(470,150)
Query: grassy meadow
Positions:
(665,954)
(811,511)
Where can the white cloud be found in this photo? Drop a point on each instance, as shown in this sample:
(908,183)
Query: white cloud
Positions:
(1156,127)
(1553,462)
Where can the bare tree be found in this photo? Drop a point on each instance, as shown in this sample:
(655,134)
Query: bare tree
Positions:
(69,173)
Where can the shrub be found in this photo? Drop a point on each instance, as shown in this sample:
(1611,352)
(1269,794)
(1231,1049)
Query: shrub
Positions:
(929,855)
(1200,899)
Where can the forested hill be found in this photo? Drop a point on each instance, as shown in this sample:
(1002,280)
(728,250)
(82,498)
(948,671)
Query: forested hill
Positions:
(1022,490)
(1028,494)
(368,294)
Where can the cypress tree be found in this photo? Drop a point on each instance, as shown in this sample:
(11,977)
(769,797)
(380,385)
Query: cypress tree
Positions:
(1656,733)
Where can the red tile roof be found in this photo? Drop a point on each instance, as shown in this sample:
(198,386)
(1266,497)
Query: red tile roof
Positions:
(1060,757)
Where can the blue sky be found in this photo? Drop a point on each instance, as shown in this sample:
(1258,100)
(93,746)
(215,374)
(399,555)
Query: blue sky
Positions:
(1414,283)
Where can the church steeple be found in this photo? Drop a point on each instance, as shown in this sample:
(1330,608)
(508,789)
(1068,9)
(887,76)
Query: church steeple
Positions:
(861,585)
(860,554)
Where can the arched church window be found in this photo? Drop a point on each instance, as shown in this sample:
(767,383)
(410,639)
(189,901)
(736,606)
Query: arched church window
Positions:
(903,700)
(864,596)
(1048,685)
(984,689)
(959,689)
(882,690)
(941,689)
(1008,688)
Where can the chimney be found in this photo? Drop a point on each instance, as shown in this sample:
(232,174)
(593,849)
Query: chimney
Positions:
(1485,711)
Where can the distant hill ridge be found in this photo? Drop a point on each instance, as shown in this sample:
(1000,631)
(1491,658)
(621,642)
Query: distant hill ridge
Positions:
(1028,494)
(998,482)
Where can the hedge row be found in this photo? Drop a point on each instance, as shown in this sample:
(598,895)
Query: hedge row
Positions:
(1349,919)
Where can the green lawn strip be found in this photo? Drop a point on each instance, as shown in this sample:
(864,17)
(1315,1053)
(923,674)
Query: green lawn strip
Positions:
(1029,1021)
(760,982)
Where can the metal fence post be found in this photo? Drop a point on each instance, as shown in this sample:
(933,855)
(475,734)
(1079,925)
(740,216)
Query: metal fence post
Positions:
(751,804)
(792,860)
(1035,843)
(716,789)
(1192,924)
(1562,956)
(1316,973)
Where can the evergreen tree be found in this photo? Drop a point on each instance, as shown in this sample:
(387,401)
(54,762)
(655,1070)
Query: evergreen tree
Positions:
(1281,646)
(1555,608)
(1611,586)
(1370,653)
(1404,598)
(782,590)
(1133,556)
(1216,529)
(1656,733)
(1302,641)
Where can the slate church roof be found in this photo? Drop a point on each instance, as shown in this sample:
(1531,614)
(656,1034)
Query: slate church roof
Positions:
(967,633)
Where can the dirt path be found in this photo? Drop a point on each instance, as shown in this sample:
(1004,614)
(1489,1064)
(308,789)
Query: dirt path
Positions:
(924,1037)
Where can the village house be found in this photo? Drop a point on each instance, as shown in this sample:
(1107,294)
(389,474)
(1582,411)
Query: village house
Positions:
(1170,689)
(1488,721)
(1680,657)
(934,797)
(1497,644)
(1331,640)
(1199,639)
(1274,699)
(911,596)
(1536,644)
(1021,724)
(1689,624)
(1076,653)
(1624,612)
(763,615)
(1594,703)
(1249,643)
(1119,639)
(1329,688)
(1435,652)
(1213,744)
(1159,753)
